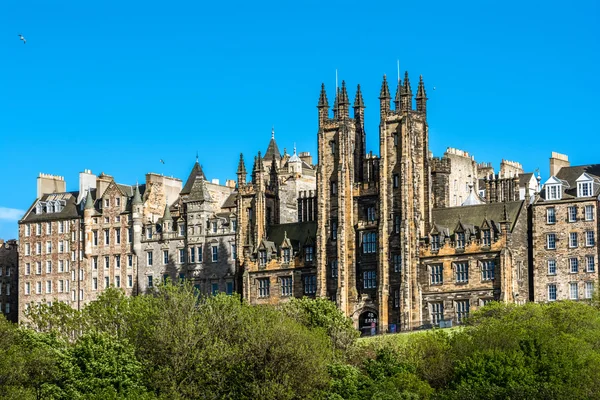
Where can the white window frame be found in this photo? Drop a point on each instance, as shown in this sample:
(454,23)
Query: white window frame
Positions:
(572,213)
(552,292)
(589,212)
(550,215)
(551,244)
(573,291)
(590,264)
(573,238)
(590,240)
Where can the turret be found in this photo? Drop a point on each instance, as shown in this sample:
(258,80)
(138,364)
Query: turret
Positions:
(89,202)
(167,219)
(421,97)
(406,95)
(323,105)
(384,98)
(241,171)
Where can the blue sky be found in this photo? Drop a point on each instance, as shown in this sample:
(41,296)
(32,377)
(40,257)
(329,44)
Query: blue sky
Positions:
(115,86)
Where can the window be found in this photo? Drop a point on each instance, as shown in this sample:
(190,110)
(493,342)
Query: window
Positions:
(573,239)
(437,313)
(106,282)
(369,280)
(334,227)
(215,289)
(118,201)
(589,290)
(396,181)
(48,286)
(129,261)
(106,236)
(589,213)
(462,272)
(106,202)
(397,224)
(396,298)
(264,289)
(117,281)
(286,255)
(38,229)
(551,241)
(369,242)
(551,267)
(61,286)
(94,283)
(573,265)
(334,268)
(573,291)
(7,308)
(550,215)
(192,254)
(27,269)
(27,288)
(589,264)
(27,230)
(199,254)
(181,256)
(27,249)
(462,310)
(48,267)
(397,262)
(229,288)
(460,240)
(395,136)
(129,235)
(61,266)
(106,262)
(553,192)
(38,267)
(572,212)
(117,236)
(106,220)
(181,229)
(262,256)
(38,248)
(215,253)
(148,233)
(129,280)
(117,261)
(371,214)
(38,287)
(150,281)
(286,286)
(437,274)
(214,226)
(310,284)
(234,225)
(61,246)
(435,242)
(48,228)
(309,254)
(584,189)
(487,270)
(589,238)
(95,262)
(95,238)
(487,237)
(149,257)
(48,247)
(334,188)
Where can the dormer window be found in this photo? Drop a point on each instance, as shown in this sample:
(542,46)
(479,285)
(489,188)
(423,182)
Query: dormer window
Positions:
(262,257)
(435,242)
(584,189)
(553,192)
(286,255)
(309,253)
(39,208)
(487,237)
(460,240)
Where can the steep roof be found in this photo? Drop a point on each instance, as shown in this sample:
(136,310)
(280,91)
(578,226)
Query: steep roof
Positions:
(524,179)
(570,174)
(69,211)
(195,174)
(272,149)
(231,201)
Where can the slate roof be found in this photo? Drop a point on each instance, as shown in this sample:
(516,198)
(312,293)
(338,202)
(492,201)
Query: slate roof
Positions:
(69,211)
(272,149)
(231,201)
(475,215)
(524,179)
(570,174)
(195,174)
(298,233)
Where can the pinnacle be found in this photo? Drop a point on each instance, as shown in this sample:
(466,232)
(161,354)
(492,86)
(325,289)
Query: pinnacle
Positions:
(323,103)
(358,100)
(241,167)
(344,94)
(385,90)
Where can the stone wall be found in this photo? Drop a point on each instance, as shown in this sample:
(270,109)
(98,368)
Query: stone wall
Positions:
(9,273)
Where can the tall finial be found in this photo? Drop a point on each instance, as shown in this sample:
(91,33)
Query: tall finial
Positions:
(384,93)
(273,132)
(294,147)
(196,156)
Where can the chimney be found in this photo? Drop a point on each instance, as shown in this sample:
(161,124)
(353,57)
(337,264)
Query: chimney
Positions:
(230,183)
(306,157)
(47,184)
(557,161)
(87,181)
(102,182)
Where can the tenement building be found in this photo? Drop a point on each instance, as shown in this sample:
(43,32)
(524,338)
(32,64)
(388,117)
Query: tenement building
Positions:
(565,232)
(8,279)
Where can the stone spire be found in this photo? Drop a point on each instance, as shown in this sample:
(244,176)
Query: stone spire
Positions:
(384,97)
(167,214)
(241,171)
(421,97)
(358,99)
(272,149)
(323,106)
(406,95)
(399,92)
(344,102)
(89,202)
(137,199)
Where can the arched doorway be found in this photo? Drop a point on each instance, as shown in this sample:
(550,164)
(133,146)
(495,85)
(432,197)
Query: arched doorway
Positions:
(367,323)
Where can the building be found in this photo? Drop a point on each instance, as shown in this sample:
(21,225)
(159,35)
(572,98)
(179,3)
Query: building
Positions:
(8,279)
(565,232)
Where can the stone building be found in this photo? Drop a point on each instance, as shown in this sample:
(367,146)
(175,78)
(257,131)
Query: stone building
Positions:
(9,288)
(473,255)
(452,177)
(565,231)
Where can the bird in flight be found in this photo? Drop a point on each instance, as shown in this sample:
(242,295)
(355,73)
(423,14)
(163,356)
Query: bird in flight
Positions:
(22,38)
(162,161)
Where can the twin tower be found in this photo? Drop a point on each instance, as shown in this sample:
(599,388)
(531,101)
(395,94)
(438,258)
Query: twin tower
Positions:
(373,210)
